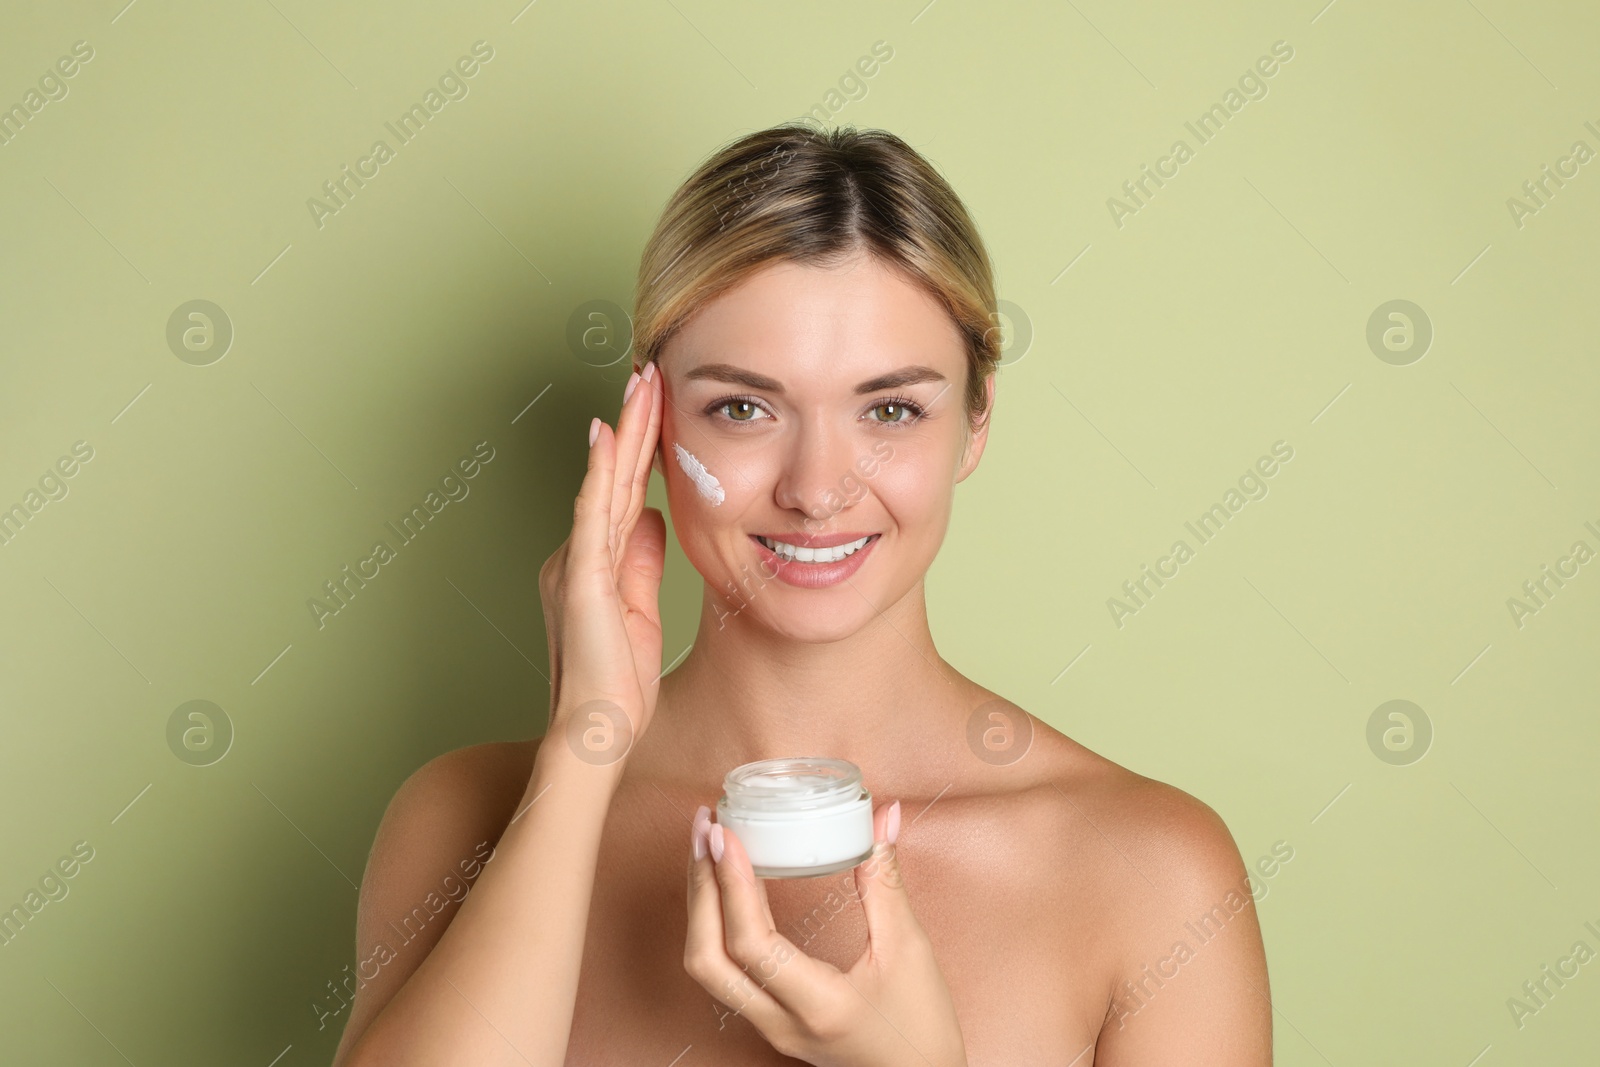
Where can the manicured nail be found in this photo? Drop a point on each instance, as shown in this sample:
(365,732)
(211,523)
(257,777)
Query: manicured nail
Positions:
(650,370)
(633,380)
(702,823)
(716,842)
(594,430)
(892,829)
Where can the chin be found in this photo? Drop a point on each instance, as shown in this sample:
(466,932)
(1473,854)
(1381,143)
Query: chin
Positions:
(810,617)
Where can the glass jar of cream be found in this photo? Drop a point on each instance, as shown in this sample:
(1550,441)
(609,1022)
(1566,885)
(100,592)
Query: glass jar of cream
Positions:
(798,818)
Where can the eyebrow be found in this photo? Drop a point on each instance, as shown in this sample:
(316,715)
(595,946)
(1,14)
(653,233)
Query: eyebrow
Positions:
(727,372)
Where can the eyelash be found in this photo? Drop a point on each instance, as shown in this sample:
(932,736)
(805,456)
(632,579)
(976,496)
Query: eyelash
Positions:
(916,411)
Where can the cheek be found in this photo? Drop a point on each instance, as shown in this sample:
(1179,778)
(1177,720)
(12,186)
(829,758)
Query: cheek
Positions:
(919,477)
(708,487)
(714,479)
(704,487)
(916,485)
(689,504)
(695,523)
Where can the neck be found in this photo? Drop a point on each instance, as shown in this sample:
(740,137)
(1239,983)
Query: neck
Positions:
(881,697)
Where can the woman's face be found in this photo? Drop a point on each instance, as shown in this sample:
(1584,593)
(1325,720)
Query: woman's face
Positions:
(815,408)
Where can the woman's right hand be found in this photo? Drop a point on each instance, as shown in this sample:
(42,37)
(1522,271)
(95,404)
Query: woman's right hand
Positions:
(601,588)
(513,951)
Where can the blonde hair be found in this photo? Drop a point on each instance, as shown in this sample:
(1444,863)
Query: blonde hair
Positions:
(796,193)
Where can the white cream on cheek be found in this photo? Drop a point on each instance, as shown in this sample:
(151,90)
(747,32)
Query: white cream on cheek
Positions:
(703,479)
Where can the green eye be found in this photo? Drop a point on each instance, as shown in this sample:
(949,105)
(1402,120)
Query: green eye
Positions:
(737,409)
(902,411)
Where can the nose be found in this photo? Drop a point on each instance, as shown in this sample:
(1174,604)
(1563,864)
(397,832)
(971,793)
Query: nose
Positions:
(817,470)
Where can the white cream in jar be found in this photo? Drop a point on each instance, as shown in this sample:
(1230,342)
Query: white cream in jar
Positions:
(800,817)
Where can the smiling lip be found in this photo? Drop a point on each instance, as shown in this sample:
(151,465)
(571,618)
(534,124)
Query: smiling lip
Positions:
(814,575)
(814,540)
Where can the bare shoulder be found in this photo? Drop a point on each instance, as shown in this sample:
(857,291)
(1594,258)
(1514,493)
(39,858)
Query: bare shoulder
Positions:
(467,792)
(1159,874)
(1154,829)
(438,830)
(1166,830)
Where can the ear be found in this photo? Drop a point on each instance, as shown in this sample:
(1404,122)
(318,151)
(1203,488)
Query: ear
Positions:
(979,437)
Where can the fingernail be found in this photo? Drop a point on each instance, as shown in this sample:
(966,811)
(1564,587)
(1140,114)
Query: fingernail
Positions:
(698,831)
(650,370)
(633,380)
(892,829)
(594,430)
(716,842)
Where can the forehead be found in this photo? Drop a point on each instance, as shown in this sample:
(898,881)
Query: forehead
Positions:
(790,320)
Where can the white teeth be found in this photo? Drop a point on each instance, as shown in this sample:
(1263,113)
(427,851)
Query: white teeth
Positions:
(796,553)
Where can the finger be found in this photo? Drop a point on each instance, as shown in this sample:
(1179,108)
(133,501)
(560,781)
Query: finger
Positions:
(591,511)
(632,421)
(639,487)
(643,562)
(766,907)
(549,591)
(652,435)
(798,982)
(697,846)
(881,888)
(705,954)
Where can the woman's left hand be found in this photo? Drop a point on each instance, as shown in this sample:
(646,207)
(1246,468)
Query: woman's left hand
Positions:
(892,1006)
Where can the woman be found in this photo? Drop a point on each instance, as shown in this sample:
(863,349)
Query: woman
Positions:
(817,364)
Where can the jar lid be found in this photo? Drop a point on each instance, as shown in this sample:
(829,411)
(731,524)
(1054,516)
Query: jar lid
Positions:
(803,783)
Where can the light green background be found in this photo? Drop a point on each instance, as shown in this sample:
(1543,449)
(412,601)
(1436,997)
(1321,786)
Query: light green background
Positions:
(1228,313)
